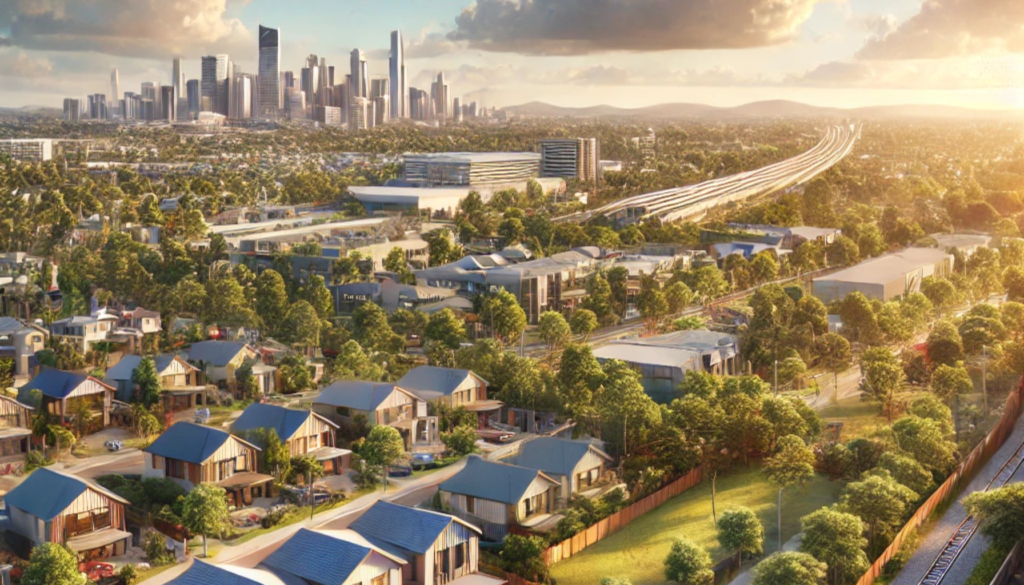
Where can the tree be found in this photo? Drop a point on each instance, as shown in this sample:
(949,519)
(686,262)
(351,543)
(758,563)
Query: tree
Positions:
(445,328)
(371,329)
(883,377)
(396,261)
(790,568)
(688,564)
(740,530)
(553,329)
(837,539)
(273,457)
(907,471)
(708,283)
(599,298)
(461,441)
(859,321)
(512,231)
(764,267)
(652,305)
(247,387)
(147,381)
(383,448)
(925,441)
(52,564)
(811,313)
(226,303)
(301,327)
(624,408)
(506,318)
(950,381)
(944,345)
(583,322)
(843,252)
(679,297)
(881,502)
(205,511)
(1001,512)
(294,373)
(442,248)
(790,369)
(524,556)
(1013,282)
(271,300)
(316,293)
(791,465)
(941,292)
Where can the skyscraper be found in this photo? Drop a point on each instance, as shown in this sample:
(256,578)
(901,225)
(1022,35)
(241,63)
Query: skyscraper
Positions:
(168,104)
(270,93)
(440,92)
(72,109)
(399,88)
(178,79)
(359,73)
(310,81)
(98,106)
(213,89)
(115,86)
(570,159)
(193,96)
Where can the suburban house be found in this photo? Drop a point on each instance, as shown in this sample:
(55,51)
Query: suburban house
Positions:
(663,360)
(190,454)
(495,496)
(452,388)
(144,320)
(19,341)
(218,360)
(439,548)
(576,465)
(201,573)
(333,557)
(15,434)
(84,331)
(303,432)
(62,390)
(179,381)
(387,293)
(52,506)
(381,404)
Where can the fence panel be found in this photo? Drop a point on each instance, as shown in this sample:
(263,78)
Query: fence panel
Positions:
(980,454)
(1014,561)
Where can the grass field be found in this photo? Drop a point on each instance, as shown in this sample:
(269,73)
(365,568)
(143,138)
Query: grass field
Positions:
(859,418)
(638,550)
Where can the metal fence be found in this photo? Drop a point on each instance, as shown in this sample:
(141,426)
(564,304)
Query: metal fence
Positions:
(951,487)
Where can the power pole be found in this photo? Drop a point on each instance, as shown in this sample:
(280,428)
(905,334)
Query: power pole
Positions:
(984,363)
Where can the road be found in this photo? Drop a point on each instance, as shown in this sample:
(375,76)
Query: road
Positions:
(695,200)
(254,551)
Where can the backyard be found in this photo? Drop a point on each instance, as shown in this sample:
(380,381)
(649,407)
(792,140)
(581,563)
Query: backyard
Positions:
(637,551)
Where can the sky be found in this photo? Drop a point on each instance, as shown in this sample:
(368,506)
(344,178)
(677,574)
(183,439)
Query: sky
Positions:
(627,53)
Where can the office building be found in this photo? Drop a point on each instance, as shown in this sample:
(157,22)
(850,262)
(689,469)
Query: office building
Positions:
(115,87)
(178,79)
(327,115)
(457,110)
(98,106)
(72,110)
(270,92)
(214,86)
(419,104)
(470,168)
(359,81)
(242,97)
(399,86)
(570,159)
(382,110)
(147,109)
(296,104)
(310,80)
(193,95)
(440,92)
(330,76)
(380,88)
(29,149)
(168,104)
(360,114)
(131,105)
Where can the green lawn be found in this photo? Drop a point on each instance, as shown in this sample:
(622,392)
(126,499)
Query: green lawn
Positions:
(859,418)
(637,551)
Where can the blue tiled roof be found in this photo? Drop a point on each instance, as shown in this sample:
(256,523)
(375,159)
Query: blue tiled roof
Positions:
(46,493)
(201,573)
(123,369)
(410,529)
(432,382)
(317,557)
(269,416)
(215,353)
(54,383)
(355,394)
(188,442)
(488,480)
(552,455)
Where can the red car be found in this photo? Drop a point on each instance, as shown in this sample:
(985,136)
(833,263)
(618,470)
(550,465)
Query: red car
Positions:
(96,570)
(495,436)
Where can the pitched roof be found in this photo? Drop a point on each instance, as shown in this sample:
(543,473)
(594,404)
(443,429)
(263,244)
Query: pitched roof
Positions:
(124,369)
(554,455)
(433,382)
(317,557)
(410,529)
(215,353)
(189,442)
(285,421)
(47,492)
(201,573)
(356,394)
(58,383)
(489,480)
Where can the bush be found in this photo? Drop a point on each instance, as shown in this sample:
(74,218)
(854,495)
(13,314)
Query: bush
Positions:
(37,458)
(274,517)
(461,441)
(128,575)
(156,549)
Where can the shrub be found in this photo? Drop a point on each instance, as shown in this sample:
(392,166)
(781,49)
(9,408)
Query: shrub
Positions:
(128,575)
(274,517)
(37,458)
(156,549)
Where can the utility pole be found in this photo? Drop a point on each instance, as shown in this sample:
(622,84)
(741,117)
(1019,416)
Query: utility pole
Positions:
(984,363)
(312,501)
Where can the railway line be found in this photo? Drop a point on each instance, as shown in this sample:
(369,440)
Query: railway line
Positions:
(695,200)
(949,554)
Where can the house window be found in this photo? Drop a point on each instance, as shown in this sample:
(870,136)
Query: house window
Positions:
(662,373)
(381,579)
(343,411)
(471,504)
(460,556)
(175,468)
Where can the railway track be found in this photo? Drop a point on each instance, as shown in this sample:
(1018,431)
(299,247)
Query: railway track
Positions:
(693,200)
(965,531)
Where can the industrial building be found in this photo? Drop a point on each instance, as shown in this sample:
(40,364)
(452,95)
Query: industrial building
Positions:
(440,203)
(28,149)
(470,169)
(885,277)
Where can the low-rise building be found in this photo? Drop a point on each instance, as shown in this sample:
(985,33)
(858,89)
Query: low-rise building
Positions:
(452,388)
(494,496)
(190,454)
(966,244)
(387,293)
(577,465)
(60,391)
(15,434)
(52,506)
(219,360)
(84,330)
(381,403)
(202,573)
(181,388)
(885,277)
(333,557)
(20,341)
(303,432)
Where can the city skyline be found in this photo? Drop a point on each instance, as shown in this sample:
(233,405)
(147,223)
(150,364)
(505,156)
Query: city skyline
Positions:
(856,53)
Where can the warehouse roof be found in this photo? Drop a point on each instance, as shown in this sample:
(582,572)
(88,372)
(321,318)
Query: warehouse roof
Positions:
(885,269)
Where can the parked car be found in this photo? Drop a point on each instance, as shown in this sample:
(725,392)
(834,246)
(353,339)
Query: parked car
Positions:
(399,471)
(113,445)
(495,435)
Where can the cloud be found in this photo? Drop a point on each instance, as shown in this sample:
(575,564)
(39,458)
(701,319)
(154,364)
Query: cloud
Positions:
(21,65)
(146,28)
(578,27)
(5,42)
(834,73)
(950,28)
(927,74)
(597,75)
(429,44)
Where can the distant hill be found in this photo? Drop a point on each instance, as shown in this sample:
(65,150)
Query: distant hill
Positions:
(765,109)
(31,111)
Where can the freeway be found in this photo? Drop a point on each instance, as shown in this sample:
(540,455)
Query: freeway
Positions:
(695,200)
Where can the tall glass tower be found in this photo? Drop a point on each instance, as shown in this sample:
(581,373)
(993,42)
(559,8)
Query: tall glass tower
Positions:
(399,86)
(269,93)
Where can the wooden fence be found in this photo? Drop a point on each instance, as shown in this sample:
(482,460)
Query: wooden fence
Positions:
(951,487)
(612,524)
(1014,561)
